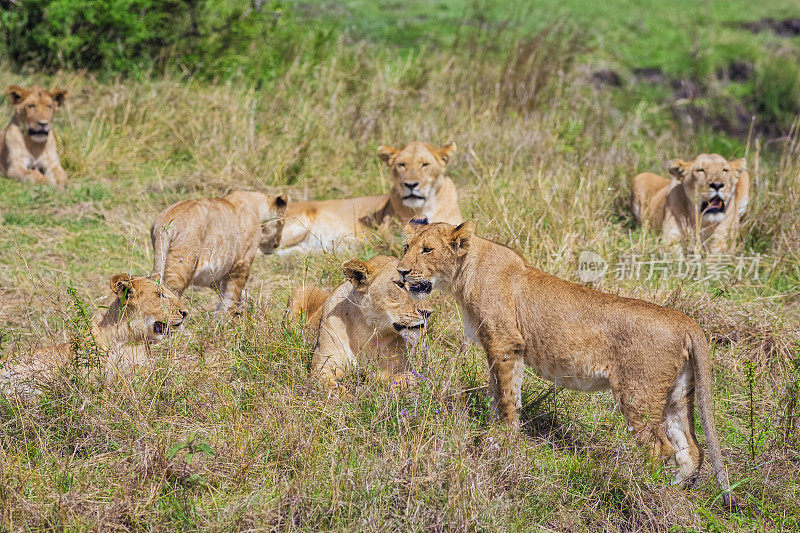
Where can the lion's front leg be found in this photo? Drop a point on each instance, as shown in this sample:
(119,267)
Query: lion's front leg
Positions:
(56,174)
(232,287)
(506,370)
(27,175)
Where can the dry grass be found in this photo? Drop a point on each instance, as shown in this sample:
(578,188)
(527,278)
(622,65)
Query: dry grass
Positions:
(543,166)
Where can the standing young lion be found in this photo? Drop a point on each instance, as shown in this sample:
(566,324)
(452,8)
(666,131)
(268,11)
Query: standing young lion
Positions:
(368,319)
(419,188)
(27,145)
(139,313)
(651,357)
(212,242)
(707,198)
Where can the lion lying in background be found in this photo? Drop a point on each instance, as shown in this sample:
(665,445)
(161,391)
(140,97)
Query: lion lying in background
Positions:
(419,187)
(369,319)
(139,313)
(652,358)
(708,197)
(212,242)
(27,145)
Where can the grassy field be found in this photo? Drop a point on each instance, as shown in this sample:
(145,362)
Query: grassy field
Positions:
(225,430)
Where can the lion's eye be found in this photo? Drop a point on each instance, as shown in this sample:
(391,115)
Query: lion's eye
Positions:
(701,170)
(425,164)
(725,170)
(426,250)
(31,106)
(405,249)
(401,165)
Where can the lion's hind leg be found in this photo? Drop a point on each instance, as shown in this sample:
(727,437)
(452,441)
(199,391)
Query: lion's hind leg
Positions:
(644,415)
(179,271)
(679,425)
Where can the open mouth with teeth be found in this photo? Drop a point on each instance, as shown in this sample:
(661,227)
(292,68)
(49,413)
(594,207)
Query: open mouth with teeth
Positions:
(162,328)
(34,132)
(420,287)
(409,327)
(714,205)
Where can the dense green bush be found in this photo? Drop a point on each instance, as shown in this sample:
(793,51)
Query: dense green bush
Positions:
(124,37)
(776,91)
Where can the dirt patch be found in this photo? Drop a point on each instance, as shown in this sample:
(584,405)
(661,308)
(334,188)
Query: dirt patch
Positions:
(736,71)
(789,27)
(649,75)
(605,78)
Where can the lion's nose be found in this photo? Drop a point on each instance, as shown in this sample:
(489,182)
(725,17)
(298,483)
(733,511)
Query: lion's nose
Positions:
(716,186)
(410,184)
(425,313)
(403,271)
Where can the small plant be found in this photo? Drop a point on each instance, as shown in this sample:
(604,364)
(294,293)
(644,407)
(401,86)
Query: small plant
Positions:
(192,446)
(83,346)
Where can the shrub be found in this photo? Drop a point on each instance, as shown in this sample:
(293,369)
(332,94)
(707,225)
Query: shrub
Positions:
(124,37)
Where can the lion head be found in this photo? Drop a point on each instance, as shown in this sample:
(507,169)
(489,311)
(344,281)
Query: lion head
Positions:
(146,311)
(34,109)
(431,254)
(386,303)
(271,213)
(710,182)
(417,170)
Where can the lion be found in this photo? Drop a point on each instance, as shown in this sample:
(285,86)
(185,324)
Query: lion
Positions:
(27,145)
(419,188)
(139,313)
(707,198)
(652,358)
(369,319)
(212,242)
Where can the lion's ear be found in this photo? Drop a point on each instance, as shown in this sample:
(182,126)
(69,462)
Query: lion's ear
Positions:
(16,94)
(387,153)
(358,273)
(281,203)
(677,167)
(415,225)
(738,165)
(445,152)
(461,235)
(59,95)
(122,286)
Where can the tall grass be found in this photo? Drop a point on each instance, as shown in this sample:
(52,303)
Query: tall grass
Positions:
(543,165)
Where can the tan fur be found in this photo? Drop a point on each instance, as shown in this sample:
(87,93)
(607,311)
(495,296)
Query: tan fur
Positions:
(27,145)
(307,301)
(681,207)
(327,224)
(139,313)
(651,357)
(370,319)
(212,242)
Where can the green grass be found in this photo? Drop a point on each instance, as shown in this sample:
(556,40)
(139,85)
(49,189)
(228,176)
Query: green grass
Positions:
(547,174)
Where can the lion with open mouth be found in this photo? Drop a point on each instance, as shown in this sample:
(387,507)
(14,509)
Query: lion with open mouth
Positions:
(27,146)
(653,359)
(370,319)
(140,312)
(707,198)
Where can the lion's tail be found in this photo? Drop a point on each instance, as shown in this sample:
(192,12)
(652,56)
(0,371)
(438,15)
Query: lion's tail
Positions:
(701,358)
(306,300)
